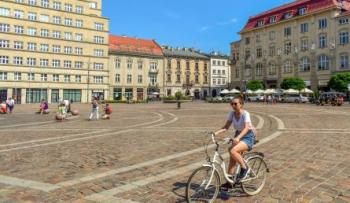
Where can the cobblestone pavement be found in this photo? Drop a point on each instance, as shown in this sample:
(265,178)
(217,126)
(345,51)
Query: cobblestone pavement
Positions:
(146,153)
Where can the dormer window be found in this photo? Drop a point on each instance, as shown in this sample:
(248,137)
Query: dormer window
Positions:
(288,15)
(260,23)
(272,19)
(302,11)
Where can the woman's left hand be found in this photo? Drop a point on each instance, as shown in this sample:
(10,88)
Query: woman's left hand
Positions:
(236,140)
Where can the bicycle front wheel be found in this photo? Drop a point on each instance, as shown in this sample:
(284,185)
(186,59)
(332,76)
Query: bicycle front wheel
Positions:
(203,185)
(256,180)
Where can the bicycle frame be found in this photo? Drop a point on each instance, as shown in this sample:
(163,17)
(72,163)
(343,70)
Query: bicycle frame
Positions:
(218,160)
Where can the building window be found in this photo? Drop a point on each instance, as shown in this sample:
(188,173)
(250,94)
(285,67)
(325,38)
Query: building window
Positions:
(56,20)
(304,64)
(343,21)
(272,69)
(287,48)
(323,62)
(129,64)
(55,78)
(98,66)
(304,44)
(99,39)
(44,62)
(247,40)
(153,80)
(31,31)
(18,45)
(56,63)
(287,66)
(31,61)
(261,23)
(4,27)
(344,61)
(323,41)
(79,23)
(4,59)
(56,5)
(302,11)
(117,78)
(43,77)
(45,3)
(4,43)
(68,35)
(178,65)
(99,26)
(196,79)
(287,31)
(19,29)
(56,48)
(18,76)
(93,5)
(32,16)
(153,66)
(272,19)
(79,9)
(129,79)
(32,2)
(287,15)
(44,18)
(322,23)
(117,63)
(19,14)
(98,52)
(168,77)
(4,12)
(68,50)
(304,27)
(68,7)
(56,34)
(258,52)
(272,51)
(67,64)
(178,78)
(237,72)
(343,37)
(3,75)
(31,76)
(78,50)
(78,78)
(44,33)
(78,64)
(259,69)
(44,47)
(68,22)
(66,78)
(18,60)
(139,79)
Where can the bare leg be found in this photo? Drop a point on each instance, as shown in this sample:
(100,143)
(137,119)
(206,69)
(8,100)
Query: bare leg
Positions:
(231,166)
(236,154)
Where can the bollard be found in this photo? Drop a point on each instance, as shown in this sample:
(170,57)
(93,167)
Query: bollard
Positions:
(178,104)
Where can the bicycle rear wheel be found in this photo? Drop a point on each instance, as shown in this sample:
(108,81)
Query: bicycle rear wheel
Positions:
(203,185)
(255,182)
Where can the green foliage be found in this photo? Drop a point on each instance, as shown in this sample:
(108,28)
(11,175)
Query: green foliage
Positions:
(293,83)
(255,85)
(339,82)
(178,95)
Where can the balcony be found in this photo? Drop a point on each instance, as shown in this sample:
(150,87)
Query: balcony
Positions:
(153,71)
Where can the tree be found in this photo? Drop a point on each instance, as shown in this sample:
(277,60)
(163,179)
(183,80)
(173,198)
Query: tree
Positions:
(255,85)
(293,83)
(339,82)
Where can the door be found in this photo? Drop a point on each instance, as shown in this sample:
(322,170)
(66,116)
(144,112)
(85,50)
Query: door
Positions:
(55,96)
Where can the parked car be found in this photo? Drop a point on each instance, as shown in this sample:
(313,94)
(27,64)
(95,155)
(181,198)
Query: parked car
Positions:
(218,98)
(295,98)
(256,98)
(227,98)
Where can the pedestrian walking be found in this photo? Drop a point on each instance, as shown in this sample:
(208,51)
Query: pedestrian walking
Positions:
(94,109)
(10,103)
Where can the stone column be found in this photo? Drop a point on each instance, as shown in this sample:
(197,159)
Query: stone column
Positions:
(49,95)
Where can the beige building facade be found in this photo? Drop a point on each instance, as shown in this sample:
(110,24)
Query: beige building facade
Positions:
(306,39)
(187,71)
(53,50)
(136,69)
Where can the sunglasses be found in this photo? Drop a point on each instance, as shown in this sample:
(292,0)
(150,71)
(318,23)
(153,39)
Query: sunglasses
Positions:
(233,103)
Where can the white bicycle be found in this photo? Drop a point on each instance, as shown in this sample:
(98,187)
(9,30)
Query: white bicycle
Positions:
(205,182)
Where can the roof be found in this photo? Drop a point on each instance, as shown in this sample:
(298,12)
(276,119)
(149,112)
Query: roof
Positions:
(184,52)
(310,5)
(130,45)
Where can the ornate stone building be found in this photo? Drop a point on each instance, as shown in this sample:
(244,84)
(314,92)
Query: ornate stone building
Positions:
(305,38)
(136,68)
(186,70)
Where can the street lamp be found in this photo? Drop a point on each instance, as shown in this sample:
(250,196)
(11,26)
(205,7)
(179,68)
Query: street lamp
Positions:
(88,81)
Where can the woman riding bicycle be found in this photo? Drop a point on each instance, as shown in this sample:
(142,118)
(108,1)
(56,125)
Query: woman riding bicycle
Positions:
(243,140)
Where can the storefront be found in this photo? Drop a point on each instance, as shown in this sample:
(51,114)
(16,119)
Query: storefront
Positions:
(117,94)
(3,94)
(35,95)
(72,95)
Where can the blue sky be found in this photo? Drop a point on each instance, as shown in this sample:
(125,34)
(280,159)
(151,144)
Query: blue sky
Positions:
(209,25)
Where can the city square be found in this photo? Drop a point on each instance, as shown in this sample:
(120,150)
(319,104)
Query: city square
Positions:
(146,152)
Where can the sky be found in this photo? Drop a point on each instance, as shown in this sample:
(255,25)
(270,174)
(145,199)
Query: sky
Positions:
(208,25)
